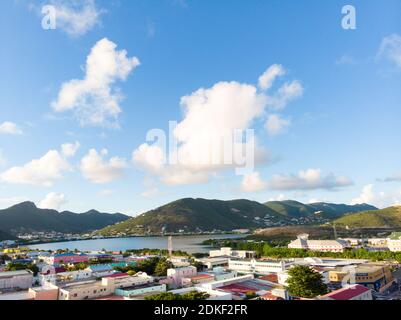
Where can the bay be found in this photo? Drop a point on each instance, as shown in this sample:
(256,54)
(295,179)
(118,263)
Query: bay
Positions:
(190,244)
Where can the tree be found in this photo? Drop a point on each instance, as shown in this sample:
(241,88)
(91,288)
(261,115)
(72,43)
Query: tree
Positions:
(303,282)
(162,266)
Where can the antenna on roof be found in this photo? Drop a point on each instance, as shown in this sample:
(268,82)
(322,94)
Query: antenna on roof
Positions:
(170,246)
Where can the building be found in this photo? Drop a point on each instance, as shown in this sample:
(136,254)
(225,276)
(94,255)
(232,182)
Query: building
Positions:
(259,266)
(65,258)
(22,279)
(240,287)
(107,286)
(141,290)
(176,276)
(353,292)
(228,252)
(180,261)
(394,242)
(211,263)
(101,270)
(373,276)
(318,245)
(59,275)
(213,294)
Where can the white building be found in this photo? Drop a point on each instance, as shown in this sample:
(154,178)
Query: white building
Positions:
(68,276)
(217,284)
(259,266)
(107,286)
(318,245)
(394,242)
(211,263)
(16,279)
(213,294)
(241,254)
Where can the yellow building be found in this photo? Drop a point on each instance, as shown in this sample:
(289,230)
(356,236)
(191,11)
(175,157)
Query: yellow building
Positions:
(374,276)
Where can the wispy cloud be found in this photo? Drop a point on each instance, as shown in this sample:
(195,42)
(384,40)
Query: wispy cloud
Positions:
(77,17)
(9,127)
(311,179)
(390,49)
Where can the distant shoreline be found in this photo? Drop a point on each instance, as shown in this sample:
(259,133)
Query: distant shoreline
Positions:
(131,237)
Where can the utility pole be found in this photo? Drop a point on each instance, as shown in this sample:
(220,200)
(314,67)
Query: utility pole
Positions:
(170,246)
(335,231)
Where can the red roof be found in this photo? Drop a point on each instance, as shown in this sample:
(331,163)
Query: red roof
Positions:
(270,277)
(347,293)
(237,289)
(118,275)
(201,277)
(269,296)
(111,298)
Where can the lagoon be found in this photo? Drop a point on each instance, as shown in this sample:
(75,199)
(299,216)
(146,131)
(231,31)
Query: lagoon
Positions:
(190,244)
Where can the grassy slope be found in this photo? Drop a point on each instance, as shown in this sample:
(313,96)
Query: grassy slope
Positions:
(385,218)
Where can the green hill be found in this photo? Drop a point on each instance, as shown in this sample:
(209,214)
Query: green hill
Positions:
(6,236)
(201,215)
(26,217)
(294,209)
(385,218)
(195,215)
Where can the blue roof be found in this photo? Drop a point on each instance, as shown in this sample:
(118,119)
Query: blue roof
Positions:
(100,267)
(69,254)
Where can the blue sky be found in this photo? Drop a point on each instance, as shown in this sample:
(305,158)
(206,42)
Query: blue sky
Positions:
(334,137)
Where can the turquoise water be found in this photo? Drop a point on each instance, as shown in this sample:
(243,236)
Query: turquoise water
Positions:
(190,244)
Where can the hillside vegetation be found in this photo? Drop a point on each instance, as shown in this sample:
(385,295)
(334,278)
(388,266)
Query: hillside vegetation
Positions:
(385,218)
(26,217)
(200,215)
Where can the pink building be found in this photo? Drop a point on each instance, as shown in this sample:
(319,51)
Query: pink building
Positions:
(177,275)
(66,258)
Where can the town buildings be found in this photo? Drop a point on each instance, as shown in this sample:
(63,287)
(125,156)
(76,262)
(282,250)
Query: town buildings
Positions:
(394,242)
(22,279)
(259,266)
(353,292)
(303,242)
(228,252)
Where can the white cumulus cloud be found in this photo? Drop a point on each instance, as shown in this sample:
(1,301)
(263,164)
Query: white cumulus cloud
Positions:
(53,201)
(310,179)
(95,100)
(379,199)
(210,116)
(70,149)
(40,172)
(99,170)
(253,183)
(8,127)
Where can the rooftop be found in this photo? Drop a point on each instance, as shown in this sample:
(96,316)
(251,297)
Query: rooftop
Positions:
(8,274)
(347,293)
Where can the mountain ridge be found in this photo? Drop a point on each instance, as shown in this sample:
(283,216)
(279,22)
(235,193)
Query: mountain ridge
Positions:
(204,215)
(27,217)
